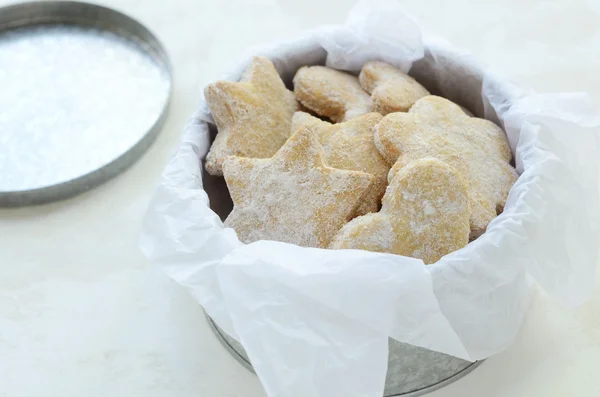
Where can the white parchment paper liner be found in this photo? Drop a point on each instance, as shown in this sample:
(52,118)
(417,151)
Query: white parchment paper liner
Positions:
(316,322)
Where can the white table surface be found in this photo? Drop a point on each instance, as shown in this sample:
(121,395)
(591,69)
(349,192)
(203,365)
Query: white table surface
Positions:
(82,313)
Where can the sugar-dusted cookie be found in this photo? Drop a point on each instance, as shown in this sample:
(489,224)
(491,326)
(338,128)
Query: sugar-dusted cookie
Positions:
(292,197)
(391,89)
(425,215)
(253,116)
(331,93)
(478,149)
(350,146)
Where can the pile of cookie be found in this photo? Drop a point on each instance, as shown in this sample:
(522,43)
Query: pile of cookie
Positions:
(395,169)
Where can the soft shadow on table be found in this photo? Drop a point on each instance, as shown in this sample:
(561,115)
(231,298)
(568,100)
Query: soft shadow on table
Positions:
(36,211)
(508,372)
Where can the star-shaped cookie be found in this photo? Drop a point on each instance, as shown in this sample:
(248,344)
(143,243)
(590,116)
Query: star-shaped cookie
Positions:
(478,149)
(253,116)
(391,89)
(350,146)
(425,214)
(294,196)
(331,93)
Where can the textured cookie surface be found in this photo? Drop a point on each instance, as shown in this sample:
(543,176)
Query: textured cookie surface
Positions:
(350,146)
(331,93)
(292,197)
(253,116)
(391,89)
(478,149)
(425,215)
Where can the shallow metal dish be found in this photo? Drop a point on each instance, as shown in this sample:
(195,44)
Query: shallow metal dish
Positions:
(412,371)
(84,92)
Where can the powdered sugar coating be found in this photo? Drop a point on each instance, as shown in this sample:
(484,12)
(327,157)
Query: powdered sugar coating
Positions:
(293,197)
(350,146)
(331,93)
(478,149)
(391,89)
(425,214)
(253,116)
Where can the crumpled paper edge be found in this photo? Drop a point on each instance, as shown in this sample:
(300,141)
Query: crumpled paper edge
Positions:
(530,120)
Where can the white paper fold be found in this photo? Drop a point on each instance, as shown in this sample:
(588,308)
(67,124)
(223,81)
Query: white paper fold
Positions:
(316,322)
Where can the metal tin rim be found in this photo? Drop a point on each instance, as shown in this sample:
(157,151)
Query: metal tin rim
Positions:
(414,393)
(86,14)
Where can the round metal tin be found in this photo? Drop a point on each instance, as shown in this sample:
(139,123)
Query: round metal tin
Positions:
(84,91)
(412,371)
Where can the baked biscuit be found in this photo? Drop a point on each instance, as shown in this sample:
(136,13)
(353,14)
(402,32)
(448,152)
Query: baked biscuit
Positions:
(391,89)
(350,146)
(253,116)
(478,149)
(331,93)
(292,197)
(425,215)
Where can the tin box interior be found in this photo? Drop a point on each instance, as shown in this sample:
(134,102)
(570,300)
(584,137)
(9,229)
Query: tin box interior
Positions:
(412,371)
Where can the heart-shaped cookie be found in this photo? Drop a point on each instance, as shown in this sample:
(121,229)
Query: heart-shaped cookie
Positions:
(425,214)
(478,149)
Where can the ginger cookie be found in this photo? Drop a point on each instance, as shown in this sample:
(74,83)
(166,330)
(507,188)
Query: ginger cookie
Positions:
(294,196)
(391,89)
(478,149)
(350,146)
(253,116)
(425,215)
(331,93)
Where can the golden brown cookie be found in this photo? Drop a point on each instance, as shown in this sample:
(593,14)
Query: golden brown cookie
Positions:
(478,149)
(425,215)
(391,89)
(253,116)
(292,197)
(350,146)
(331,93)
